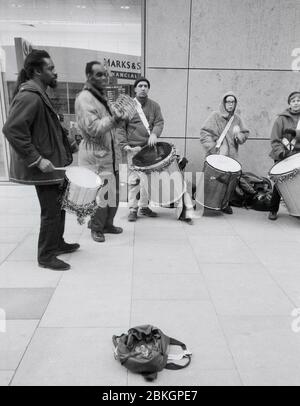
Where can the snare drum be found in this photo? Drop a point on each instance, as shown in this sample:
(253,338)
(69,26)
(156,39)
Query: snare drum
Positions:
(79,197)
(218,181)
(286,175)
(158,169)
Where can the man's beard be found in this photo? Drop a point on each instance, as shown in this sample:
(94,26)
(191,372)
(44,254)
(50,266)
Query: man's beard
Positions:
(53,84)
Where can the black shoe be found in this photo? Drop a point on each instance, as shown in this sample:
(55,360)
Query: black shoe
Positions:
(146,211)
(132,216)
(113,230)
(97,236)
(272,215)
(66,248)
(55,264)
(228,210)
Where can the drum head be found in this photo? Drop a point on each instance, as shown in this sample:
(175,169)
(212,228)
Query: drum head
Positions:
(152,155)
(223,163)
(83,177)
(287,165)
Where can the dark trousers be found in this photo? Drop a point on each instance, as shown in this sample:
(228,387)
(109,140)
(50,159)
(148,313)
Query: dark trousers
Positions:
(104,216)
(275,200)
(52,221)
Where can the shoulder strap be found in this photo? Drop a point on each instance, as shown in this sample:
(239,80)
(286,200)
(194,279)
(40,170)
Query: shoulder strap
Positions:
(141,113)
(224,133)
(298,125)
(185,354)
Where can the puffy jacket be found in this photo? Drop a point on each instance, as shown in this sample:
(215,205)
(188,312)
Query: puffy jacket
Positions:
(34,131)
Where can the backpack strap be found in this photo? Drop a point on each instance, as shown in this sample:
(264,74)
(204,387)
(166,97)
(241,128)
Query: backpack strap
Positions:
(185,354)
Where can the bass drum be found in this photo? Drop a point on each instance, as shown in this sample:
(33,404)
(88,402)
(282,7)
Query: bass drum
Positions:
(217,181)
(286,175)
(157,167)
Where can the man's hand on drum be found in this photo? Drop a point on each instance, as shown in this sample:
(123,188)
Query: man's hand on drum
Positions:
(152,140)
(45,165)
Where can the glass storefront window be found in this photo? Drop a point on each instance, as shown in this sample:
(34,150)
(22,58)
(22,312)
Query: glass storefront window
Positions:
(105,30)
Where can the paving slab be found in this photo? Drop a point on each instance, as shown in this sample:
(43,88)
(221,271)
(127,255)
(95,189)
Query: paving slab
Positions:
(187,287)
(19,220)
(5,377)
(187,377)
(6,250)
(221,249)
(13,234)
(27,274)
(193,322)
(92,300)
(70,356)
(245,289)
(283,376)
(262,342)
(25,304)
(166,258)
(14,342)
(280,253)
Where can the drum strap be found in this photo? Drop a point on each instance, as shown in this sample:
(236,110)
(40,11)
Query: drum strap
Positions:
(141,113)
(224,133)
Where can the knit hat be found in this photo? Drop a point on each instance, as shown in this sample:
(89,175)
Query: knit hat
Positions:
(292,95)
(141,79)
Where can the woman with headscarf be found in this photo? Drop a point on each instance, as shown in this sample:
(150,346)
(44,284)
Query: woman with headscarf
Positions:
(214,127)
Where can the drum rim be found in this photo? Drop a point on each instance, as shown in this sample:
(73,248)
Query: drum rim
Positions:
(86,169)
(283,173)
(220,170)
(171,157)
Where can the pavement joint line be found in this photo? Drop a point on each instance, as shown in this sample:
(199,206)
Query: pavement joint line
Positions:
(6,258)
(16,369)
(270,274)
(216,314)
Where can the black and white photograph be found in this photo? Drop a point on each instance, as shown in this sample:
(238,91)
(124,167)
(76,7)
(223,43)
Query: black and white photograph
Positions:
(149,196)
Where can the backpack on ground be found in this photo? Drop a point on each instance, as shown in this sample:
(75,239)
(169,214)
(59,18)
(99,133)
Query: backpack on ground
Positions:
(253,192)
(144,349)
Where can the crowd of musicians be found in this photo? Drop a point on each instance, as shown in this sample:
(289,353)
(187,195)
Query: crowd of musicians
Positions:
(40,146)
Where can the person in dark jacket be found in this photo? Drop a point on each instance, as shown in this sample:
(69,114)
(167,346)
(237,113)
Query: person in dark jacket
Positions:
(285,141)
(38,144)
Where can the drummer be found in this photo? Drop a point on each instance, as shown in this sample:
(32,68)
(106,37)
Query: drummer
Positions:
(99,149)
(214,126)
(285,141)
(143,129)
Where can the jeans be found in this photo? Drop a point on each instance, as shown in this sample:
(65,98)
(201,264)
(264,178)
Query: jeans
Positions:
(52,221)
(137,193)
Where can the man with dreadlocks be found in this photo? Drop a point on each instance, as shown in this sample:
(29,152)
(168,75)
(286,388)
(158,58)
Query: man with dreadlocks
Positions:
(39,143)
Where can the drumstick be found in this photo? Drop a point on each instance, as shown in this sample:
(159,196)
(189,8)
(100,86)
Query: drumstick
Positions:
(60,168)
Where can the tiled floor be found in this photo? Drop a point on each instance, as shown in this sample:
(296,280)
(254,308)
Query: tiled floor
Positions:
(226,286)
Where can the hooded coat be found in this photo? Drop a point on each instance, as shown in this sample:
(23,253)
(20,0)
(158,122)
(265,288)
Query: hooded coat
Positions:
(214,126)
(34,131)
(285,120)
